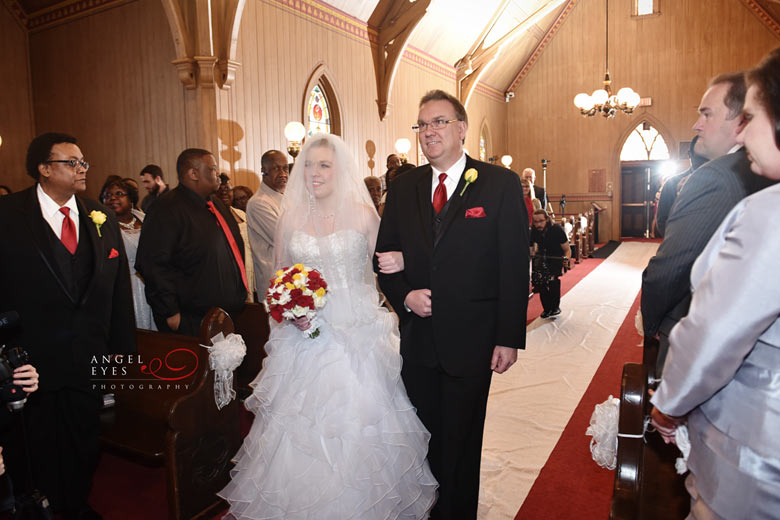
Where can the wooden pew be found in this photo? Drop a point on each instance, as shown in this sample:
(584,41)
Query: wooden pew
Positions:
(175,423)
(253,326)
(647,485)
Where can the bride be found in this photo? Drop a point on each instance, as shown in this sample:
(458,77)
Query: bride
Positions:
(334,435)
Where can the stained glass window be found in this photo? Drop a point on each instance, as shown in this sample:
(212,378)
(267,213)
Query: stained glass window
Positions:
(483,145)
(644,143)
(319,112)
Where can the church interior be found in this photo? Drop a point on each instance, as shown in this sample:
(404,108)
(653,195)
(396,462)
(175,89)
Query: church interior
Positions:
(138,81)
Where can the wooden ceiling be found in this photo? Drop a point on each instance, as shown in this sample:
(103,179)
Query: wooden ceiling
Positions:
(506,35)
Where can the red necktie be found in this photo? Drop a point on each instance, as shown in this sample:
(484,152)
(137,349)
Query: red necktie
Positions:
(440,194)
(231,241)
(68,234)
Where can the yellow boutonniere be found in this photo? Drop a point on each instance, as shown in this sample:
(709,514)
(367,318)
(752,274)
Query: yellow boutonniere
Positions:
(99,218)
(470,175)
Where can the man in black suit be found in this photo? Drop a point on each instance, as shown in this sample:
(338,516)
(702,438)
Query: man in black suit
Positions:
(191,254)
(63,269)
(708,195)
(461,297)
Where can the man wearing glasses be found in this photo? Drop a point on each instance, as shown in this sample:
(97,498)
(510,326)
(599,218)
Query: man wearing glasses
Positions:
(462,294)
(262,212)
(63,269)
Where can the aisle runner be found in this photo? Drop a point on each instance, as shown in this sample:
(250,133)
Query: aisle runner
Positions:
(530,405)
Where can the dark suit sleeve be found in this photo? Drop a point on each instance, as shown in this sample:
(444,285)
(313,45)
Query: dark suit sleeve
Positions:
(394,286)
(159,239)
(513,258)
(703,203)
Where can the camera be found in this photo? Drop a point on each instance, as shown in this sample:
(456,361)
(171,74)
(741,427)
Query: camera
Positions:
(11,358)
(12,395)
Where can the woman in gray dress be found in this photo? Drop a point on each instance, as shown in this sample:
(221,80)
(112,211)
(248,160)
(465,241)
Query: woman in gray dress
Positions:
(122,197)
(722,374)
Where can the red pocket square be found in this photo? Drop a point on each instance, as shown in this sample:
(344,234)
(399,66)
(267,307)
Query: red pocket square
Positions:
(113,253)
(477,212)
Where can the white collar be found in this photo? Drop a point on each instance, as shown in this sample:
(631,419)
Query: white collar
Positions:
(453,172)
(50,208)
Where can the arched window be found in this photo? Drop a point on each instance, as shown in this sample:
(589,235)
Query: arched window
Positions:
(484,143)
(319,112)
(643,144)
(320,104)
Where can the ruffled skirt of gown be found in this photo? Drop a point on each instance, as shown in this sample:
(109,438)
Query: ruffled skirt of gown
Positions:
(334,436)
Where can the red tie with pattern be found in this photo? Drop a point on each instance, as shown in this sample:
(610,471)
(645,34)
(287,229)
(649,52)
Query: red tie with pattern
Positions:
(231,241)
(440,194)
(68,233)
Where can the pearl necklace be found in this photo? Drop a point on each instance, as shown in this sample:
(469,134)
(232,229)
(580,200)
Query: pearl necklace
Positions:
(129,226)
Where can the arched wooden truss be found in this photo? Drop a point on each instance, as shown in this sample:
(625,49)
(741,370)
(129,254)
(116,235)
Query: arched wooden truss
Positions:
(390,26)
(205,36)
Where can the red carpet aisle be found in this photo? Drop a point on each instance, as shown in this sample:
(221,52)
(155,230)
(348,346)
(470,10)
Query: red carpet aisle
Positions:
(127,491)
(571,485)
(530,406)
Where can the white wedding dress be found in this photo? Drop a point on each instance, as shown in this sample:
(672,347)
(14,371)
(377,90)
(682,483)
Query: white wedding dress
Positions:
(334,436)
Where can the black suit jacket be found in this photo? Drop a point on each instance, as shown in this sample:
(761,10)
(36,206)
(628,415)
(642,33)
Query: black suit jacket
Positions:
(476,268)
(705,200)
(62,333)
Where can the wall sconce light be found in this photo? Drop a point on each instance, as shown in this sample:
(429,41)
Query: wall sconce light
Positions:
(294,133)
(402,146)
(506,160)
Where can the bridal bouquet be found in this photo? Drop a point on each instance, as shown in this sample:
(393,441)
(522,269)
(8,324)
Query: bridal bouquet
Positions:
(296,292)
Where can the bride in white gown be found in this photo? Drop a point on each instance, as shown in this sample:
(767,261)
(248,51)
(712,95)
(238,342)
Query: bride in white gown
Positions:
(334,436)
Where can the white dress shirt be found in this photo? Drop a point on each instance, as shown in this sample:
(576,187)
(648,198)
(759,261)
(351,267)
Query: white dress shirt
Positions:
(52,214)
(453,176)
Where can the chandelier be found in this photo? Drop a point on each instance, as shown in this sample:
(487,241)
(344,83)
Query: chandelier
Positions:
(602,100)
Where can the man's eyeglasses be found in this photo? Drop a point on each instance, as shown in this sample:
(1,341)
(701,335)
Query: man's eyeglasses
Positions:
(118,194)
(73,163)
(436,124)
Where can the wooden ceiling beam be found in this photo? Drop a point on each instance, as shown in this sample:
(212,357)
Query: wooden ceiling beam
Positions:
(393,22)
(483,58)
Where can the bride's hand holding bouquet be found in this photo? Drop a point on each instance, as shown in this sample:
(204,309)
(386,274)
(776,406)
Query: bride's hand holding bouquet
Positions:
(295,294)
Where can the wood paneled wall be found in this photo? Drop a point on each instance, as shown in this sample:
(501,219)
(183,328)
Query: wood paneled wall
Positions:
(16,115)
(483,109)
(107,79)
(669,58)
(278,51)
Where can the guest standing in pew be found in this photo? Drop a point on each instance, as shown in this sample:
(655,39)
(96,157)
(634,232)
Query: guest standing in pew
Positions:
(708,195)
(63,268)
(121,197)
(241,196)
(335,435)
(672,187)
(153,180)
(191,254)
(461,295)
(540,194)
(530,200)
(226,195)
(262,213)
(723,369)
(551,254)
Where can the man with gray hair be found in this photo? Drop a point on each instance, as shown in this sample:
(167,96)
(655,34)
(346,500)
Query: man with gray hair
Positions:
(704,201)
(262,212)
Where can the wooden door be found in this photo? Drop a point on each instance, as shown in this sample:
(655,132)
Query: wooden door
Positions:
(640,180)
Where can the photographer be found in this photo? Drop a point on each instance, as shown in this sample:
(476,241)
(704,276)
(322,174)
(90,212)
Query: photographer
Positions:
(552,252)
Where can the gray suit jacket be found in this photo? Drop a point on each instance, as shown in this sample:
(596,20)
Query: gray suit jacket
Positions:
(709,194)
(723,366)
